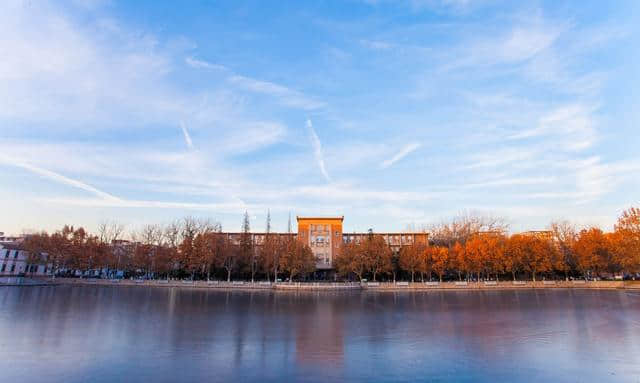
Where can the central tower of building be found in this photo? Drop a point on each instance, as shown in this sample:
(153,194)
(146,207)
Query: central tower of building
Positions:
(323,235)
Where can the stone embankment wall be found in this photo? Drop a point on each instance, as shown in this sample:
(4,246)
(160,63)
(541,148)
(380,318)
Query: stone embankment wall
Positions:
(372,286)
(501,285)
(240,285)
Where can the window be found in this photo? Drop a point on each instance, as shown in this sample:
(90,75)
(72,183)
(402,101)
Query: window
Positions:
(6,254)
(15,255)
(13,268)
(4,267)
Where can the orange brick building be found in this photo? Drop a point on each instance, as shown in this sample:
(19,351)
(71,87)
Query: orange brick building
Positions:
(325,236)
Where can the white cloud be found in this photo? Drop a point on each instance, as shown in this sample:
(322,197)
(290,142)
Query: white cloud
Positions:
(317,150)
(406,150)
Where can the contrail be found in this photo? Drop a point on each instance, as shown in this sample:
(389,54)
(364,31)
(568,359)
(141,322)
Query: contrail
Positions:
(317,150)
(187,137)
(60,179)
(400,155)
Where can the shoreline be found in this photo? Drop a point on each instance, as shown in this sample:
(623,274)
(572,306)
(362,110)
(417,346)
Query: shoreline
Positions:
(335,286)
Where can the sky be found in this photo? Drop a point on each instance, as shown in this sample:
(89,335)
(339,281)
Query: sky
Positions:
(395,114)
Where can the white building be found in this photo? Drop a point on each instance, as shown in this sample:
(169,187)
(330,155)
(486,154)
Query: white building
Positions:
(7,238)
(14,261)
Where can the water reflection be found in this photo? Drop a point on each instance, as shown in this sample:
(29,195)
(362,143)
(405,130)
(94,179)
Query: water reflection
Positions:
(77,334)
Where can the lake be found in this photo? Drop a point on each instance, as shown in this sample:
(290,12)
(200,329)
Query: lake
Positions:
(146,334)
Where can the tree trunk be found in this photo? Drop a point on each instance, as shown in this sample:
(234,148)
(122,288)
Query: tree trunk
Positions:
(228,275)
(440,278)
(374,276)
(412,273)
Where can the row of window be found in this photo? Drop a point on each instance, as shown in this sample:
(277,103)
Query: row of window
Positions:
(8,252)
(393,238)
(319,227)
(4,268)
(29,268)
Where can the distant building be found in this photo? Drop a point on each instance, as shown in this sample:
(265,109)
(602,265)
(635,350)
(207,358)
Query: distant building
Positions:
(325,236)
(9,239)
(542,234)
(14,260)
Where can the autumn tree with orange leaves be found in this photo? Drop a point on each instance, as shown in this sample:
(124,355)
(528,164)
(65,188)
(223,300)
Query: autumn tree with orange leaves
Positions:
(440,260)
(412,259)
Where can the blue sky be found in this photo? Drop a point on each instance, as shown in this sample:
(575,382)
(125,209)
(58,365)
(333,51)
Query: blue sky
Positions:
(392,113)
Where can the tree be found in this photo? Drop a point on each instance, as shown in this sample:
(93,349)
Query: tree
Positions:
(425,266)
(515,254)
(378,255)
(410,259)
(352,259)
(459,259)
(297,260)
(36,246)
(269,251)
(464,227)
(440,259)
(537,255)
(626,240)
(595,252)
(229,256)
(109,231)
(475,253)
(246,246)
(564,238)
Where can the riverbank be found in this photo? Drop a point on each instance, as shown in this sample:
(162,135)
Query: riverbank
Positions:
(373,286)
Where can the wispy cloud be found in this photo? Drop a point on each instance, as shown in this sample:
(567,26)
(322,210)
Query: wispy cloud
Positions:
(573,123)
(317,150)
(405,151)
(253,136)
(59,178)
(187,136)
(201,64)
(283,94)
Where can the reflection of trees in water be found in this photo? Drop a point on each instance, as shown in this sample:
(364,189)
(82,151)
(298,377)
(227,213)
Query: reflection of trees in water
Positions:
(273,334)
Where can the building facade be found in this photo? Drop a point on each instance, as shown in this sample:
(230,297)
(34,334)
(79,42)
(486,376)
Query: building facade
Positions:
(325,237)
(14,261)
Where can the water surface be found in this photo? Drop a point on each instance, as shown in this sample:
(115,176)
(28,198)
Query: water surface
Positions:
(108,334)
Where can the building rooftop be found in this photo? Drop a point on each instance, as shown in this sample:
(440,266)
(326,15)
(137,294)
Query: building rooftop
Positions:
(340,218)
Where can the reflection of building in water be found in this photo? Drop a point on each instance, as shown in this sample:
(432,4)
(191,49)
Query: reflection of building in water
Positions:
(319,334)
